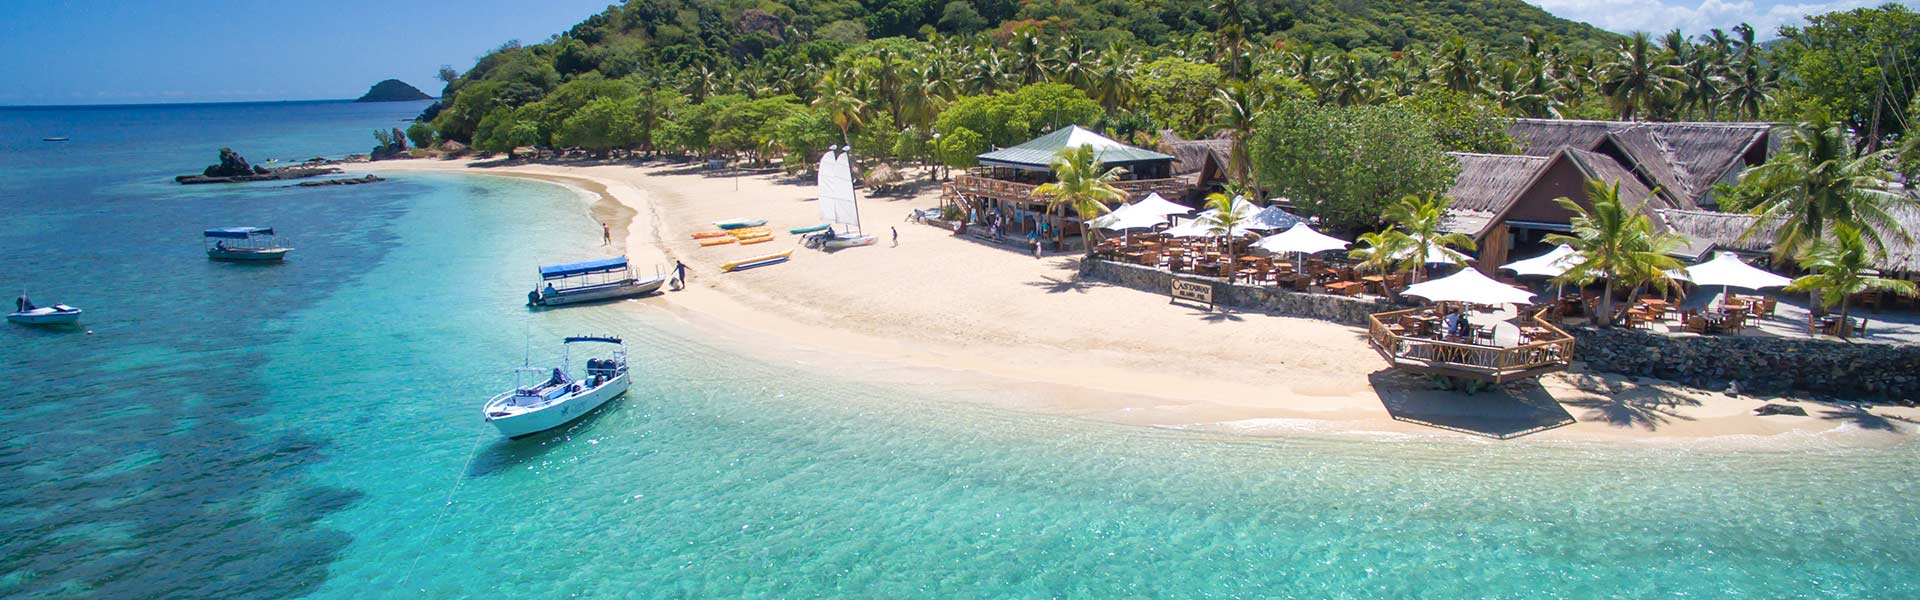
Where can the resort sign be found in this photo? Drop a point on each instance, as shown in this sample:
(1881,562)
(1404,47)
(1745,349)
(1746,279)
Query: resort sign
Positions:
(1193,290)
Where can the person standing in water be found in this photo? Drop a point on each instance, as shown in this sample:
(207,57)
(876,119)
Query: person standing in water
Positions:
(606,235)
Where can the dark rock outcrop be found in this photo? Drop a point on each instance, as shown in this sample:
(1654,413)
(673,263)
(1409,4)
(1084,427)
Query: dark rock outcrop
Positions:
(1780,409)
(393,146)
(393,90)
(369,178)
(234,168)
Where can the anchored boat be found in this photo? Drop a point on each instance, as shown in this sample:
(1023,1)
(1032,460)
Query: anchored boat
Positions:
(591,281)
(25,313)
(556,398)
(244,244)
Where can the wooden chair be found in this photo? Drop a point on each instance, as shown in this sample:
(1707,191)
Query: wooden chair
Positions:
(1696,323)
(1736,321)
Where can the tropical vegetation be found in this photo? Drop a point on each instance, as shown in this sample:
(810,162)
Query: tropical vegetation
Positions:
(1082,184)
(1841,266)
(1616,244)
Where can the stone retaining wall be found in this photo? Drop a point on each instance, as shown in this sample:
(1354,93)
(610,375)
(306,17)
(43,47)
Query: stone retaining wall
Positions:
(1326,307)
(1760,365)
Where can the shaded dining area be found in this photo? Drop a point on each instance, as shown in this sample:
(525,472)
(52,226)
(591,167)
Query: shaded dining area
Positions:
(1476,329)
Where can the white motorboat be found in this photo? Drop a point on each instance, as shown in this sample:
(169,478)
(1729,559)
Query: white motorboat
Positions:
(58,314)
(559,399)
(591,281)
(244,244)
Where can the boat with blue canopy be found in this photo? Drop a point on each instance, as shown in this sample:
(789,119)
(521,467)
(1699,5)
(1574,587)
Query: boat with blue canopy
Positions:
(591,281)
(556,398)
(244,244)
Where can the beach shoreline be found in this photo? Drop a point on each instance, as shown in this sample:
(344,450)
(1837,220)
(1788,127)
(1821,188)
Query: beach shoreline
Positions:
(1032,337)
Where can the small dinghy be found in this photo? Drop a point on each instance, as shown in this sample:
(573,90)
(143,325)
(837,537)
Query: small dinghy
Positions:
(53,139)
(756,262)
(559,399)
(739,223)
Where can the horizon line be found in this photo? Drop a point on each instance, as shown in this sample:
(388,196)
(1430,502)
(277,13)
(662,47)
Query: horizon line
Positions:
(188,103)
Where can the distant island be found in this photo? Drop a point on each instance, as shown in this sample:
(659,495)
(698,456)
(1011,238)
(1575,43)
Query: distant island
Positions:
(393,90)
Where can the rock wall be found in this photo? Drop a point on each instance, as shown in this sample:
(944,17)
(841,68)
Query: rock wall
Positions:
(1760,365)
(1326,307)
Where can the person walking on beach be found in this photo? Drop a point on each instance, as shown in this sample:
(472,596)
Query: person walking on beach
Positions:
(896,236)
(606,235)
(679,275)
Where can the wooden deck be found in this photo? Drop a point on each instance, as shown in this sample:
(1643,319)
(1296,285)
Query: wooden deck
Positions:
(1470,361)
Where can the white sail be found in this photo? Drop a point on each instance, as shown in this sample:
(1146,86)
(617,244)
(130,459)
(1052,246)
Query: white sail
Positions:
(836,190)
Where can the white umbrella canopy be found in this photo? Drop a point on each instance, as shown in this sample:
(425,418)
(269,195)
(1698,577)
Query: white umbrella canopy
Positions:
(1728,270)
(1202,226)
(1552,264)
(1469,285)
(1436,255)
(1154,205)
(1125,219)
(1300,238)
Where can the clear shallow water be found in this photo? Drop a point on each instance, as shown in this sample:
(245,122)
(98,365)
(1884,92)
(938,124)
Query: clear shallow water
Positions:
(311,430)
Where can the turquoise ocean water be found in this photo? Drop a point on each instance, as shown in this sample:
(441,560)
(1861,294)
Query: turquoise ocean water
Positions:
(311,430)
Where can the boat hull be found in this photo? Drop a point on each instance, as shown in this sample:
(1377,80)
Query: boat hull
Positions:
(758,261)
(232,255)
(853,241)
(44,316)
(637,287)
(813,229)
(559,413)
(740,223)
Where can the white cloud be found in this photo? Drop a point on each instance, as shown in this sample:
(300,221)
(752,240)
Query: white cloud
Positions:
(1691,16)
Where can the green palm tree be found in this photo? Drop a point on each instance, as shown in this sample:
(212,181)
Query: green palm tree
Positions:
(1227,216)
(1637,81)
(1616,243)
(1818,181)
(1419,219)
(1842,266)
(1239,106)
(1383,252)
(1746,87)
(1081,183)
(1456,69)
(844,106)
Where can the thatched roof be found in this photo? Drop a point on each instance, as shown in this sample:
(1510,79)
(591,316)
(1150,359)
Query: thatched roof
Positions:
(1604,168)
(1487,185)
(1683,159)
(882,176)
(1707,230)
(1192,156)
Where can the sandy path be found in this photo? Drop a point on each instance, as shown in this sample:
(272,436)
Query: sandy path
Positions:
(949,311)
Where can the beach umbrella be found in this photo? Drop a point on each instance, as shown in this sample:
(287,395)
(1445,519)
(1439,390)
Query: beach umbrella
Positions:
(1469,285)
(1552,264)
(1435,255)
(1273,217)
(1300,238)
(1727,270)
(1124,219)
(1157,206)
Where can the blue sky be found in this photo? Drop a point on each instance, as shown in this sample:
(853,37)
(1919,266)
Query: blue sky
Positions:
(98,52)
(1695,16)
(140,51)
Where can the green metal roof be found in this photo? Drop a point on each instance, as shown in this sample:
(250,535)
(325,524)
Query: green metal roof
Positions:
(1038,153)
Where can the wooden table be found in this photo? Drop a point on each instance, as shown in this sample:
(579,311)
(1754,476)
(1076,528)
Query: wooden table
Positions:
(1345,288)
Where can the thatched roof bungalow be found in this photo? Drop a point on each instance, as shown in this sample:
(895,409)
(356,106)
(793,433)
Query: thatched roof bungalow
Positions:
(1706,230)
(1683,160)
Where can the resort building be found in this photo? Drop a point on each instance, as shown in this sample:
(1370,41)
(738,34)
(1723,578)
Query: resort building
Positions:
(1000,190)
(1507,202)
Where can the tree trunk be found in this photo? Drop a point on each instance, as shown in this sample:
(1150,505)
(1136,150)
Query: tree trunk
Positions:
(1846,325)
(1606,306)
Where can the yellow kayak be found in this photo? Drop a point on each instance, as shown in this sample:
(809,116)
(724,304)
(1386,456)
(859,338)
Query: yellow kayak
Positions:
(756,240)
(716,241)
(757,261)
(710,234)
(750,232)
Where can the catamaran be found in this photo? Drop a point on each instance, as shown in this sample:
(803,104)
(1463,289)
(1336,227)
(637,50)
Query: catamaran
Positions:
(838,206)
(244,244)
(556,398)
(591,281)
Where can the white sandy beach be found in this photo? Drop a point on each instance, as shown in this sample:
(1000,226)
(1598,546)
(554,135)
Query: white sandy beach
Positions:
(947,311)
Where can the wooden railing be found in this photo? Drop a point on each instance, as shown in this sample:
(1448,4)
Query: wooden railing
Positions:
(977,185)
(1485,362)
